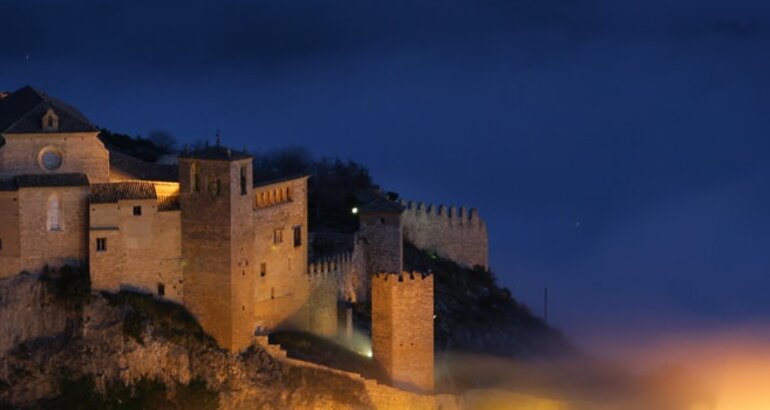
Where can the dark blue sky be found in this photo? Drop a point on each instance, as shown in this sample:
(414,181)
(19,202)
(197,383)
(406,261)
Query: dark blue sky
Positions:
(617,149)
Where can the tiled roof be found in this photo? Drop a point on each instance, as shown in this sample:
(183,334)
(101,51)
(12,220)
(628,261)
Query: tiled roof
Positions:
(382,205)
(116,191)
(216,152)
(168,203)
(139,169)
(22,112)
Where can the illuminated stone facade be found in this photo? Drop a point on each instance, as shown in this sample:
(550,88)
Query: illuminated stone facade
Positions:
(402,328)
(233,253)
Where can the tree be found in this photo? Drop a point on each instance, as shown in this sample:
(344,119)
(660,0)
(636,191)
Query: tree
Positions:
(163,140)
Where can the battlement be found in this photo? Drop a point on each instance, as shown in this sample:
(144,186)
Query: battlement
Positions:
(460,214)
(401,276)
(403,328)
(330,264)
(453,232)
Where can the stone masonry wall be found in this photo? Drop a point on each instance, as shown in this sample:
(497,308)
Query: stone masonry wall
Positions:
(40,246)
(143,252)
(82,152)
(381,237)
(453,233)
(320,312)
(383,397)
(402,328)
(242,270)
(282,289)
(10,251)
(206,242)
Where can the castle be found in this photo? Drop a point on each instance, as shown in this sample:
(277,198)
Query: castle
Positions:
(203,234)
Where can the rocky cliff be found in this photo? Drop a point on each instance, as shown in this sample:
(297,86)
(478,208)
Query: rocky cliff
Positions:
(128,350)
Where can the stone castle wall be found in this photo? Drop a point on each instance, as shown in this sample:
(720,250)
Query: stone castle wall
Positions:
(81,152)
(320,312)
(453,233)
(402,328)
(381,234)
(382,396)
(148,246)
(282,289)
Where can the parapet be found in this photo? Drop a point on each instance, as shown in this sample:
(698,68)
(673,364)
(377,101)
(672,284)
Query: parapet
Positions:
(460,214)
(332,267)
(401,276)
(453,232)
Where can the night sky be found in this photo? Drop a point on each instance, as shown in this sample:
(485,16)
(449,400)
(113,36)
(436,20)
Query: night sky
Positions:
(618,150)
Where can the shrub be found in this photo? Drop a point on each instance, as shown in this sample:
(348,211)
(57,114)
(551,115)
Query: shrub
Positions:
(170,319)
(70,285)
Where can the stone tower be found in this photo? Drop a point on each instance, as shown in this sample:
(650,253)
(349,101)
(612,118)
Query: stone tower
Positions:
(402,328)
(216,200)
(381,233)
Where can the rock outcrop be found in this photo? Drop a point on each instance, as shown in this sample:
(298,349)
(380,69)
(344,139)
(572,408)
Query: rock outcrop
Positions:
(125,339)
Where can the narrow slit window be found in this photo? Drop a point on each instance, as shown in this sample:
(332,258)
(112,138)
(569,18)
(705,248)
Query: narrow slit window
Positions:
(195,178)
(54,213)
(161,289)
(297,236)
(263,269)
(101,244)
(243,180)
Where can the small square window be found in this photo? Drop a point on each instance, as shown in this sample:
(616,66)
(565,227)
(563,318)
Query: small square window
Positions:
(101,244)
(263,269)
(137,210)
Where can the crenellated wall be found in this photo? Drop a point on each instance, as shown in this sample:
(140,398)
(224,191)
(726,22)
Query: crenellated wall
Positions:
(320,312)
(455,233)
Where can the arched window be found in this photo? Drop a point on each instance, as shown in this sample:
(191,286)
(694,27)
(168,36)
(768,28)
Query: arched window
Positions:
(195,178)
(54,213)
(50,120)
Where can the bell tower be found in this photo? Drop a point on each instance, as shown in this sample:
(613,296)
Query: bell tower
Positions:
(217,242)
